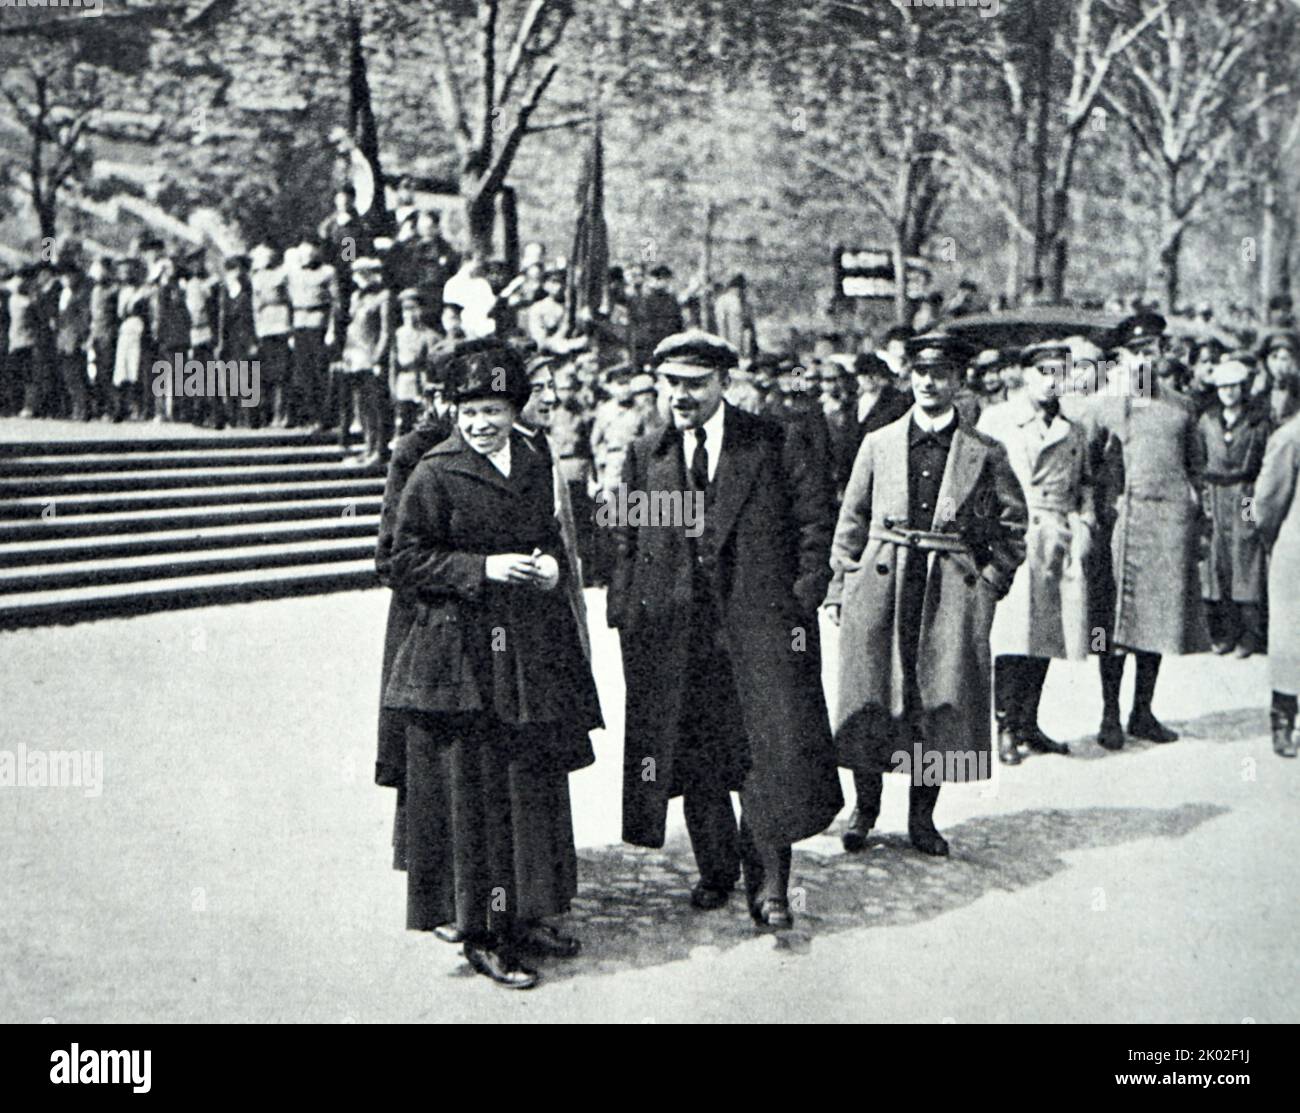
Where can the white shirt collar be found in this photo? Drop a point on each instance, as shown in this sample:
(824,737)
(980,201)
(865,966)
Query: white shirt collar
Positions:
(714,430)
(500,459)
(928,424)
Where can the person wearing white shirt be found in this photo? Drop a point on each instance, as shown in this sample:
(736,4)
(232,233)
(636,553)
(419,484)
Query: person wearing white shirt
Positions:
(470,289)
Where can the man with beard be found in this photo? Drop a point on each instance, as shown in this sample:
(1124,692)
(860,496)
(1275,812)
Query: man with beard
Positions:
(717,619)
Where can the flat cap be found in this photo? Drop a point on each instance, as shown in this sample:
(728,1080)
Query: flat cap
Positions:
(410,296)
(695,353)
(868,363)
(1231,372)
(1281,338)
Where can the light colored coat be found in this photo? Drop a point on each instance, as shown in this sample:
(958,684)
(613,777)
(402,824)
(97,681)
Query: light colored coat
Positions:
(1277,512)
(980,500)
(1045,614)
(1145,584)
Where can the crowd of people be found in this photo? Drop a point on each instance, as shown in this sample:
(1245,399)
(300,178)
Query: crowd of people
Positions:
(965,514)
(965,517)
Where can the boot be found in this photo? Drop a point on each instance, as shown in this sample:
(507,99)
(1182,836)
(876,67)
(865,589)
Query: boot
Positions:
(1111,735)
(921,830)
(1142,722)
(1282,716)
(868,787)
(1030,734)
(1252,640)
(1008,751)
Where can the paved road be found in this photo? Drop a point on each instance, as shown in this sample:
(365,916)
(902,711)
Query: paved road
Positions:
(235,864)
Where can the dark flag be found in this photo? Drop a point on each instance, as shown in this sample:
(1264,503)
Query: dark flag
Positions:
(367,177)
(587,295)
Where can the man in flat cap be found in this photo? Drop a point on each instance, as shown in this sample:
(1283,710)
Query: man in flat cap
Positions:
(1144,587)
(879,403)
(716,606)
(930,534)
(1233,435)
(1045,614)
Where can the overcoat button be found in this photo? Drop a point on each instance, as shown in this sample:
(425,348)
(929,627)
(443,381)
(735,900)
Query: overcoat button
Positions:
(970,581)
(883,569)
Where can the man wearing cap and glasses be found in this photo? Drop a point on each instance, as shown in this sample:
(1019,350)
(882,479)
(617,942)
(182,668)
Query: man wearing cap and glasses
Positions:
(718,627)
(1144,586)
(930,534)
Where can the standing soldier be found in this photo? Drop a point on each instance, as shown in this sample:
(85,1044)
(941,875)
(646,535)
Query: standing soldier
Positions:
(930,535)
(1144,587)
(1232,439)
(311,296)
(363,379)
(237,338)
(202,301)
(718,625)
(1277,511)
(273,324)
(1045,614)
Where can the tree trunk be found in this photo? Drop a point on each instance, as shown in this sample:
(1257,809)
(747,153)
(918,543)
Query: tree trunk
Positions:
(1042,128)
(46,214)
(1171,240)
(1060,240)
(902,307)
(480,219)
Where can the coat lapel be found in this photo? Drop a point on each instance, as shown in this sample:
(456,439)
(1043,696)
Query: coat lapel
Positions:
(465,461)
(960,474)
(737,469)
(891,473)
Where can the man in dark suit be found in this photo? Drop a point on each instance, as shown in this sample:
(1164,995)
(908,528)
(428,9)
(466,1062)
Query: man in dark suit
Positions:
(879,403)
(721,557)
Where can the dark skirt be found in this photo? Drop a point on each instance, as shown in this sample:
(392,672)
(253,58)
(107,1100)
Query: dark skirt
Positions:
(484,827)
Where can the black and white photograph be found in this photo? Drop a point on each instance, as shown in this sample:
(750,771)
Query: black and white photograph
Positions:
(651,512)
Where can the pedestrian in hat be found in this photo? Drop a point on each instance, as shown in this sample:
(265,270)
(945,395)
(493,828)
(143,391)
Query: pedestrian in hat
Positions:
(135,323)
(1045,614)
(415,345)
(103,336)
(1277,515)
(362,389)
(1280,354)
(310,283)
(1233,436)
(1144,586)
(273,329)
(929,538)
(716,608)
(544,319)
(878,403)
(236,341)
(497,695)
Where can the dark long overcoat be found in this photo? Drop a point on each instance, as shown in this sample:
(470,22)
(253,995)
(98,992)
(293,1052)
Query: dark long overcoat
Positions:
(765,540)
(390,762)
(1277,510)
(980,500)
(507,652)
(1233,569)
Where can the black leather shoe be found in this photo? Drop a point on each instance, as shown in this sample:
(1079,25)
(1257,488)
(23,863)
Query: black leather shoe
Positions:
(1146,726)
(1111,735)
(1008,753)
(544,940)
(855,834)
(706,898)
(1284,740)
(1039,743)
(449,933)
(928,841)
(501,967)
(774,913)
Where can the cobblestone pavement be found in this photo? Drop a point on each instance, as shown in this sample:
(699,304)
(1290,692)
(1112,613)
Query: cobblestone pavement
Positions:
(235,865)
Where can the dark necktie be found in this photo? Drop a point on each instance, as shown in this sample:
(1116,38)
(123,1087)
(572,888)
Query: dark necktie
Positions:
(700,463)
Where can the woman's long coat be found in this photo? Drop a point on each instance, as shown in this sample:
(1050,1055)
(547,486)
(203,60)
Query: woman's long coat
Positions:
(980,500)
(511,653)
(390,764)
(765,542)
(1145,585)
(1045,614)
(1277,513)
(1233,569)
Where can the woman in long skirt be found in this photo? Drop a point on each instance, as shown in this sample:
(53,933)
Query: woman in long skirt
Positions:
(491,678)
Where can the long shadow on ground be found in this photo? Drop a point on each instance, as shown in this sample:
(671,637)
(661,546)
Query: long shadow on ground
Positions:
(1238,725)
(633,908)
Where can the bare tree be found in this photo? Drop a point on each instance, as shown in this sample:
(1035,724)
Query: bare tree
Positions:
(52,103)
(1186,92)
(487,106)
